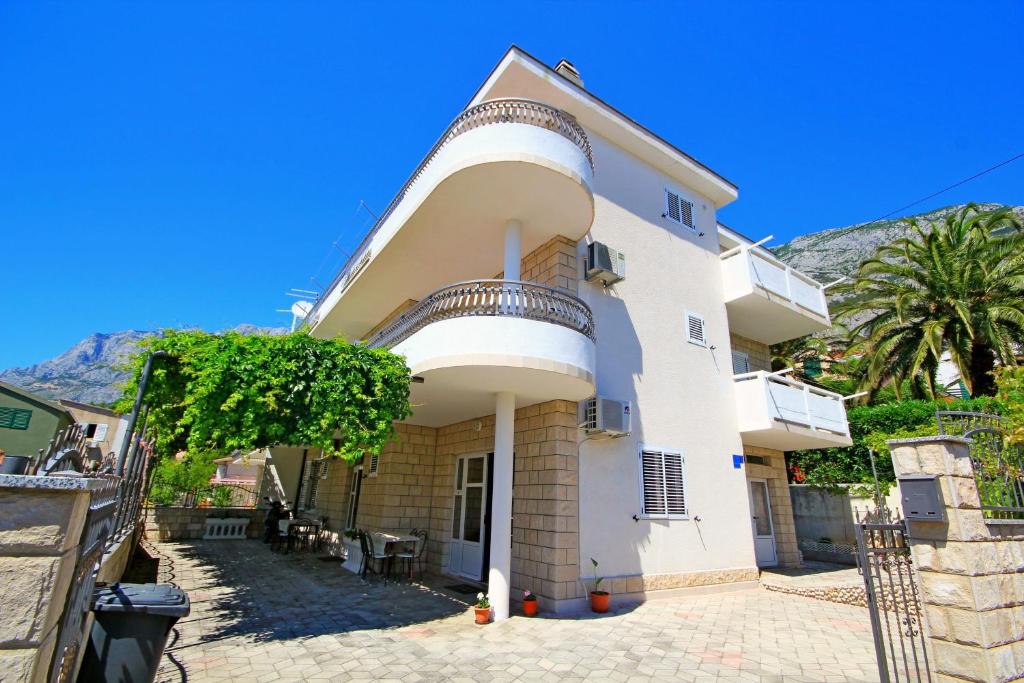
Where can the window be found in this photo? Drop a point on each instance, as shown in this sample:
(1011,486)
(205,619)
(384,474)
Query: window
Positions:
(740,362)
(758,460)
(353,497)
(374,464)
(90,430)
(662,484)
(317,470)
(695,329)
(678,210)
(15,418)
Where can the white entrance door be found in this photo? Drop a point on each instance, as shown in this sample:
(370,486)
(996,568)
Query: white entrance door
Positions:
(466,554)
(761,521)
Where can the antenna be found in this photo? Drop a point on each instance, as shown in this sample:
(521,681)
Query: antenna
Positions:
(300,309)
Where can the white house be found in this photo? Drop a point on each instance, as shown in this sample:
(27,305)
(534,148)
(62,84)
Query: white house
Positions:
(548,250)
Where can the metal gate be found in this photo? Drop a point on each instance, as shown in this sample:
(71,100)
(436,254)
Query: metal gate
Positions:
(894,602)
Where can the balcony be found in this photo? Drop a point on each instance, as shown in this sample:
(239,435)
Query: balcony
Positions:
(501,160)
(470,340)
(787,415)
(767,300)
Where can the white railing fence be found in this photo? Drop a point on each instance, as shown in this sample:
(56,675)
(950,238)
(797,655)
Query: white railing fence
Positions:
(791,401)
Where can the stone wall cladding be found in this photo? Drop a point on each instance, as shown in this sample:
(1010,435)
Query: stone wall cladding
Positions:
(180,524)
(786,545)
(553,264)
(760,355)
(971,571)
(844,595)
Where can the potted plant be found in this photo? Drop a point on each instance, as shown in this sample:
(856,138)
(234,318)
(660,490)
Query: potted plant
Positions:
(599,599)
(529,604)
(482,609)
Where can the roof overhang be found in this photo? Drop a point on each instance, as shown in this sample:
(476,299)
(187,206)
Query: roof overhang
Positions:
(519,74)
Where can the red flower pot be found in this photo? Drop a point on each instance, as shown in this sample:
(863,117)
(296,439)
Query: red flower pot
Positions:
(530,607)
(483,615)
(599,601)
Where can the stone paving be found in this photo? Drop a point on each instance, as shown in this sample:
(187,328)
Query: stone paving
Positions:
(261,616)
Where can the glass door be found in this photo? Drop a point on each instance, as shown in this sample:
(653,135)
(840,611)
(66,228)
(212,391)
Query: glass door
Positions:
(761,521)
(466,550)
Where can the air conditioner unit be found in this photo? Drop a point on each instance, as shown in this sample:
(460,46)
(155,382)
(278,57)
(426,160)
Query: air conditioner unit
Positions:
(604,416)
(605,264)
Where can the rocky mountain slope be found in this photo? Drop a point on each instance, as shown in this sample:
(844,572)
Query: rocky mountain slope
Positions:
(90,371)
(830,254)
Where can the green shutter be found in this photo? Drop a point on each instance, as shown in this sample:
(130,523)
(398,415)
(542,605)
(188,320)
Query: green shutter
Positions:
(15,418)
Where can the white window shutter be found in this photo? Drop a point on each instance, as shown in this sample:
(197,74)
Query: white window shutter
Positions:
(653,475)
(740,363)
(695,329)
(374,464)
(672,206)
(663,483)
(686,213)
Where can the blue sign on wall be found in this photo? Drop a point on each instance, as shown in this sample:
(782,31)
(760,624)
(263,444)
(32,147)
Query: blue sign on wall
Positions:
(737,461)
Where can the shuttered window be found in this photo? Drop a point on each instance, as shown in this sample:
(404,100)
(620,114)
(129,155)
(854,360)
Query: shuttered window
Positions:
(374,465)
(678,209)
(662,483)
(695,329)
(316,469)
(740,363)
(15,418)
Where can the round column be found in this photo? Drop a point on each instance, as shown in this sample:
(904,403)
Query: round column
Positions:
(513,250)
(499,577)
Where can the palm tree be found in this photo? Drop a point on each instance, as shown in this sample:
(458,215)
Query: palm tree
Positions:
(795,353)
(957,287)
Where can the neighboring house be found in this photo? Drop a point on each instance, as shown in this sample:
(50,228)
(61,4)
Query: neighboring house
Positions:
(27,421)
(549,249)
(104,428)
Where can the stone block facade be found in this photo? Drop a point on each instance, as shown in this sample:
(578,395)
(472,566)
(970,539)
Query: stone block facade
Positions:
(180,524)
(759,355)
(774,472)
(971,569)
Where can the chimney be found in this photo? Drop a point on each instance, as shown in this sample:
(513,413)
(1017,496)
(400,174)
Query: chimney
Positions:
(565,68)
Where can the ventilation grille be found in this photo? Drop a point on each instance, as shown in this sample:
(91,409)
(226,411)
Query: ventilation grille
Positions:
(695,329)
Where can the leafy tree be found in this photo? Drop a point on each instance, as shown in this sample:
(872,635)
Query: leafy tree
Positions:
(956,288)
(795,353)
(172,478)
(216,393)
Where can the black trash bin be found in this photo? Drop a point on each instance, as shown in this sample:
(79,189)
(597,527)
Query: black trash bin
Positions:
(132,622)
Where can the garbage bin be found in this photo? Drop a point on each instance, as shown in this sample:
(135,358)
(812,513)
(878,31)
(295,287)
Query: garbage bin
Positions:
(132,622)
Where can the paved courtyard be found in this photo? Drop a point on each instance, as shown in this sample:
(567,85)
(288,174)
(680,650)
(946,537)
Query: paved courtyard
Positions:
(261,616)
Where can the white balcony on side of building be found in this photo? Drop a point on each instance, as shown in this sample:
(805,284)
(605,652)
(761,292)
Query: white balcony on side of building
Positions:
(769,301)
(781,413)
(499,161)
(468,341)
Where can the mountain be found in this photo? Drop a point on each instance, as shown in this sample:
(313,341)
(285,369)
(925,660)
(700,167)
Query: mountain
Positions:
(830,254)
(90,370)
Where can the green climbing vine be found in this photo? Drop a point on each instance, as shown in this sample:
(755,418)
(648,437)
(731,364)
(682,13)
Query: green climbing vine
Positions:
(219,392)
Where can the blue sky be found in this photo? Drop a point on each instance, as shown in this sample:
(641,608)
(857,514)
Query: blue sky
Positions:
(185,164)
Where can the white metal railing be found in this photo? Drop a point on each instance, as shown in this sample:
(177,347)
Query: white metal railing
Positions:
(776,277)
(795,402)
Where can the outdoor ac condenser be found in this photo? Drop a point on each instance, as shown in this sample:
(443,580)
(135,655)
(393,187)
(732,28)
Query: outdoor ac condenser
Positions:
(604,416)
(605,264)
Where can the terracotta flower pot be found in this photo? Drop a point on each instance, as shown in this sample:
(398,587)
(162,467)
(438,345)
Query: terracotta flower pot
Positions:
(599,601)
(530,607)
(483,615)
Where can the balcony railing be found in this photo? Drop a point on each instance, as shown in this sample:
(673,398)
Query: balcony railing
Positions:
(788,400)
(510,298)
(522,111)
(776,277)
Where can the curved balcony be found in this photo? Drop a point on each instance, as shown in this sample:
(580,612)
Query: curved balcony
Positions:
(499,160)
(469,340)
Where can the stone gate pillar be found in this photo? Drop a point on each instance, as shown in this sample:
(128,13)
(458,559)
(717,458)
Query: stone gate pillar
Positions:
(970,569)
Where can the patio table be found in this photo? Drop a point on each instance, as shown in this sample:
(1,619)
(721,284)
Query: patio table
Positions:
(290,526)
(388,541)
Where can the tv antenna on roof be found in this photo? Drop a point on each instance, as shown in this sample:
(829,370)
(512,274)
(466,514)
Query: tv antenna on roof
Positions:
(300,309)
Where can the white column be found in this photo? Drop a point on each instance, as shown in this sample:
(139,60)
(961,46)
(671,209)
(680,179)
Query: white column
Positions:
(513,249)
(499,577)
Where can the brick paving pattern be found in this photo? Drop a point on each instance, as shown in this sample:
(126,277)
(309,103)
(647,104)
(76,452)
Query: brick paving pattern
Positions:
(261,616)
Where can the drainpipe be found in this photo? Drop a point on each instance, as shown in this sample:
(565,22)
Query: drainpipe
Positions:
(147,370)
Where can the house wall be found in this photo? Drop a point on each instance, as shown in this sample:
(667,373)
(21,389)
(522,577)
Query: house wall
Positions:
(760,356)
(43,425)
(86,415)
(682,394)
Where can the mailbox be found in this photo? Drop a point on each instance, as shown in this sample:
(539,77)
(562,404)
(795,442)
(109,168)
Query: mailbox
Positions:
(922,498)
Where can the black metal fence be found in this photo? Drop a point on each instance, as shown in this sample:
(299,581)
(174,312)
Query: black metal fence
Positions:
(998,464)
